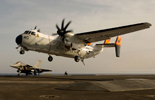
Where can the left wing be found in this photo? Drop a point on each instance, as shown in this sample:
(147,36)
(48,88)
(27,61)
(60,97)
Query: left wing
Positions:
(99,35)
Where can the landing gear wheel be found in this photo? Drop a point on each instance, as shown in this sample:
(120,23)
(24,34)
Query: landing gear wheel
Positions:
(50,58)
(77,58)
(27,74)
(19,75)
(22,52)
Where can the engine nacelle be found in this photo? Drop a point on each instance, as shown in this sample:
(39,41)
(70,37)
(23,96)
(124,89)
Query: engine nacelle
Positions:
(67,43)
(70,45)
(69,34)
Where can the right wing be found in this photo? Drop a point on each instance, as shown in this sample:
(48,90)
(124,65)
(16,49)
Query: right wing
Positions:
(45,70)
(42,70)
(99,35)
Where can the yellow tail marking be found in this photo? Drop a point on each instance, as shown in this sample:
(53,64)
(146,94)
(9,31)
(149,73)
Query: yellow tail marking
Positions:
(118,41)
(107,41)
(89,43)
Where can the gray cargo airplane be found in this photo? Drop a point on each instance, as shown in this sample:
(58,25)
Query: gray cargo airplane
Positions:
(28,69)
(77,46)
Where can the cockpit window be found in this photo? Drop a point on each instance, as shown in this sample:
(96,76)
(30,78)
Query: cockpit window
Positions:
(29,32)
(32,33)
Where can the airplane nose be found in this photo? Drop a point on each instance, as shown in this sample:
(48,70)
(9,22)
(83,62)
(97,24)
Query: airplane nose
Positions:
(19,39)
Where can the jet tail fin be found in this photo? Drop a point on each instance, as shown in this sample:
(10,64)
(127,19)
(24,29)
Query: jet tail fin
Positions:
(37,65)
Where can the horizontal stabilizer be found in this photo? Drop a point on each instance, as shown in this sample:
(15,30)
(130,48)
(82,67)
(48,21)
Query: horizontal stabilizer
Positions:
(107,41)
(117,45)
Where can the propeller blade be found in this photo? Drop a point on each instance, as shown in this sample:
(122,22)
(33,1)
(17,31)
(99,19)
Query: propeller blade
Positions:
(67,25)
(35,27)
(57,27)
(54,34)
(68,31)
(62,31)
(62,25)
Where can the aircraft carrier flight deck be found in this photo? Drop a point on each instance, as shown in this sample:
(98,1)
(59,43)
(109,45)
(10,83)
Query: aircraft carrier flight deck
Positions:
(78,87)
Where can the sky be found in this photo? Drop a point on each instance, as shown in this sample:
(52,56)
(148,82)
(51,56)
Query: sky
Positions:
(137,49)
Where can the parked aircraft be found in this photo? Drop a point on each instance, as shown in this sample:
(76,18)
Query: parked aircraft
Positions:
(28,69)
(78,46)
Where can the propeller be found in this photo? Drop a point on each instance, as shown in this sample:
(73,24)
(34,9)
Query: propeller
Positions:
(63,31)
(38,30)
(35,27)
(53,34)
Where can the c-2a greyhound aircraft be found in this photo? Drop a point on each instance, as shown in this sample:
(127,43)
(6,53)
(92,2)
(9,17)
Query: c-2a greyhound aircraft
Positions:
(78,46)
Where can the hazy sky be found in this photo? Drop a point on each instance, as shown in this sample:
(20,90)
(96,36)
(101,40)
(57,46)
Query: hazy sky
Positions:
(137,51)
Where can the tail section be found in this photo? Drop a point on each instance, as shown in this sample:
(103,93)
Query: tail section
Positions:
(37,65)
(118,46)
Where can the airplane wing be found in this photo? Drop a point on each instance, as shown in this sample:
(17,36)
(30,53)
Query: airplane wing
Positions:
(45,70)
(99,35)
(42,70)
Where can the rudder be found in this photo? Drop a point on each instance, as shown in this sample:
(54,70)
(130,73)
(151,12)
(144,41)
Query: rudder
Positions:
(118,46)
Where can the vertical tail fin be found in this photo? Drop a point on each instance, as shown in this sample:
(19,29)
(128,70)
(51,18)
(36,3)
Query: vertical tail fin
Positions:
(118,46)
(37,65)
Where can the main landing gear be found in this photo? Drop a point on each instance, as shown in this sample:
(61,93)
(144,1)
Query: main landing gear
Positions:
(50,58)
(22,52)
(19,71)
(78,58)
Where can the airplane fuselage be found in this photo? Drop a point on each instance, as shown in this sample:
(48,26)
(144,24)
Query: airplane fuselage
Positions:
(53,45)
(78,46)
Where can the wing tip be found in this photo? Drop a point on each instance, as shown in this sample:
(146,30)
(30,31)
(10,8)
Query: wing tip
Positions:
(148,24)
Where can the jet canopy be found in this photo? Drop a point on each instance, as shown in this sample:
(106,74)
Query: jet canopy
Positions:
(18,62)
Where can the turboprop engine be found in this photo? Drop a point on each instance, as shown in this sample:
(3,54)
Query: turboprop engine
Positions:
(69,44)
(66,35)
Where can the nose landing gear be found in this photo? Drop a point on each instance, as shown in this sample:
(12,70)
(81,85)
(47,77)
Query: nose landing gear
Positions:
(22,50)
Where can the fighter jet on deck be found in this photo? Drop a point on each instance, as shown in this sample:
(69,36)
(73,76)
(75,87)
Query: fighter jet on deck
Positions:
(28,69)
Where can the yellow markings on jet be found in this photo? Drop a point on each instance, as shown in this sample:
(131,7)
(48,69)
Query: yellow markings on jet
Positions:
(47,74)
